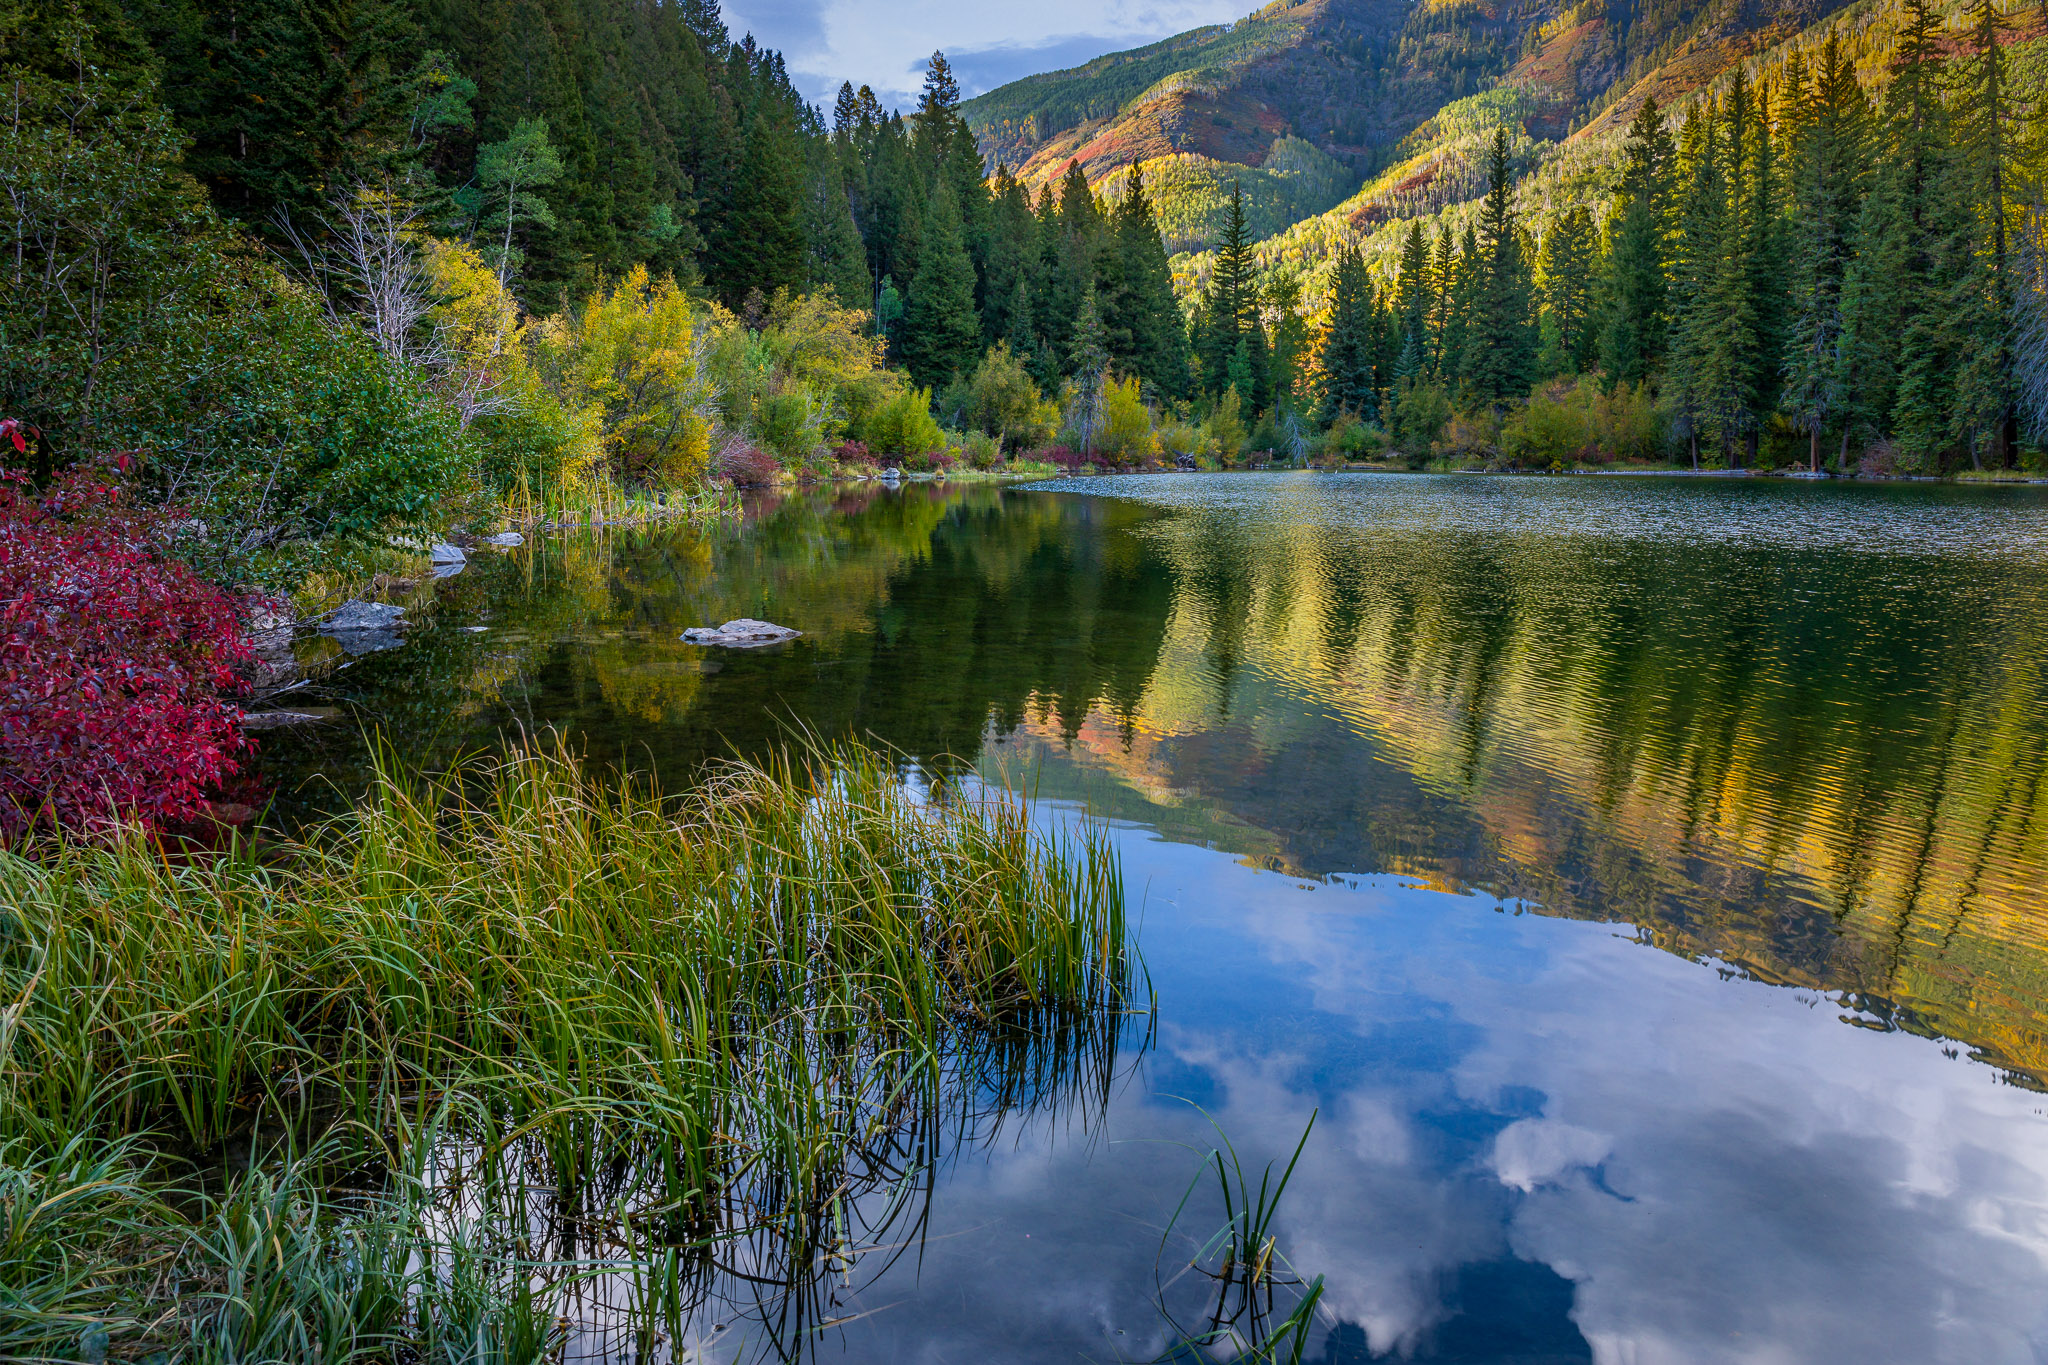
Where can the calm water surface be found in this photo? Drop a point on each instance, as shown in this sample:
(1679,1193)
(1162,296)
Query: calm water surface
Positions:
(1640,879)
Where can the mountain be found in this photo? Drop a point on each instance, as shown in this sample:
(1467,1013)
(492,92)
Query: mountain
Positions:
(1341,117)
(1297,103)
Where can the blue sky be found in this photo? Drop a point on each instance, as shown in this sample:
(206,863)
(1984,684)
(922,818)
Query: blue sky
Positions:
(884,43)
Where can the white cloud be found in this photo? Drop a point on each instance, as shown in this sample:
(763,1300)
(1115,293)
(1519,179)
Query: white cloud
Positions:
(884,43)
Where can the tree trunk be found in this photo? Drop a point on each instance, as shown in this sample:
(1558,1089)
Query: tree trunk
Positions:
(1813,450)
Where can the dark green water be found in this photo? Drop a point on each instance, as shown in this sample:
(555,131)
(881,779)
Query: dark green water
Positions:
(1641,878)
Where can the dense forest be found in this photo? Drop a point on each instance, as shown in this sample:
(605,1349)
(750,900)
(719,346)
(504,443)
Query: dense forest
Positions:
(317,273)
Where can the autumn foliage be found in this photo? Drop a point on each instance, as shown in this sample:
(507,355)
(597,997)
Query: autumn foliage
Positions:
(118,666)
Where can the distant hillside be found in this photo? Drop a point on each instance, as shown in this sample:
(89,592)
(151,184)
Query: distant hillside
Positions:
(1342,117)
(1298,103)
(1567,101)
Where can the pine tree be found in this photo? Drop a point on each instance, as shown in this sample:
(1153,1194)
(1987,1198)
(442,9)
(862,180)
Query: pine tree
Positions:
(1696,273)
(1982,300)
(1230,314)
(1345,358)
(760,244)
(1414,289)
(1566,271)
(1088,358)
(1829,146)
(1145,304)
(1500,346)
(1441,349)
(941,331)
(1635,325)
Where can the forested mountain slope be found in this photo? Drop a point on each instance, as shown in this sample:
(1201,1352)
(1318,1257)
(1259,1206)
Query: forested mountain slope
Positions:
(1359,112)
(1295,103)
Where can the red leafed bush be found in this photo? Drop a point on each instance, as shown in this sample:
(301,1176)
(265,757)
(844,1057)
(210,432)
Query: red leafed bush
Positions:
(1061,456)
(745,463)
(853,452)
(117,665)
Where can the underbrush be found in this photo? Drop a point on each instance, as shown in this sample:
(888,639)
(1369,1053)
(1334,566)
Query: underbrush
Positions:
(502,1043)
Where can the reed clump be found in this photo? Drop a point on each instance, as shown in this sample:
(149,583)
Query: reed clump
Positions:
(511,1016)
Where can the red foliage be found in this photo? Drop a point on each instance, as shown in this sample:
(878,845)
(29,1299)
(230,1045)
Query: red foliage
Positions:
(1063,456)
(116,664)
(746,464)
(853,452)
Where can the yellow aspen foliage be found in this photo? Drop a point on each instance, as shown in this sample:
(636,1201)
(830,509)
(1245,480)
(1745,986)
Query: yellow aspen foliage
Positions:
(635,354)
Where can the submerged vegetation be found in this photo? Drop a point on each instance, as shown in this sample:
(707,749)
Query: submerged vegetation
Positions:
(402,1088)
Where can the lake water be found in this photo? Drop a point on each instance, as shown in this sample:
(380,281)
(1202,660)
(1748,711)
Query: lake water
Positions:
(1639,880)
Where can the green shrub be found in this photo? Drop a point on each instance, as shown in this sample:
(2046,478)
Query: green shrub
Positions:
(1421,412)
(904,425)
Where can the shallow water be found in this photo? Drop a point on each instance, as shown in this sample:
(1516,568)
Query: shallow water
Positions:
(1638,878)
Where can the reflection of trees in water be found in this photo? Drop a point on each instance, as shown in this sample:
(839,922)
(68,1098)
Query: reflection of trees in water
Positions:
(1824,767)
(772,1277)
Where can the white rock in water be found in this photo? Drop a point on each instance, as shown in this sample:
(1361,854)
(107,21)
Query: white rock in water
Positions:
(506,540)
(745,633)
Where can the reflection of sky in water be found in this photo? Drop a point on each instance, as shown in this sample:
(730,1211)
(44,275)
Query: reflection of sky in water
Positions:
(1540,1140)
(1522,1119)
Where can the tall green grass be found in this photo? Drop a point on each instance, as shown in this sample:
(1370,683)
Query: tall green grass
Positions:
(407,1082)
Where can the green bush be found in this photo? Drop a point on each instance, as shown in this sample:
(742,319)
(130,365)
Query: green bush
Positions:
(904,425)
(1421,412)
(980,450)
(1001,399)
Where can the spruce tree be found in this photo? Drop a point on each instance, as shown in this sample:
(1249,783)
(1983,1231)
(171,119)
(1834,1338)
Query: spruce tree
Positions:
(1500,346)
(1986,415)
(1230,306)
(1413,289)
(1829,148)
(1635,322)
(1440,349)
(1345,357)
(1696,273)
(941,332)
(1566,270)
(1150,314)
(759,244)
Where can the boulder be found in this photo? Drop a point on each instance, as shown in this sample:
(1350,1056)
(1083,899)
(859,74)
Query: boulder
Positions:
(745,633)
(449,560)
(364,627)
(505,540)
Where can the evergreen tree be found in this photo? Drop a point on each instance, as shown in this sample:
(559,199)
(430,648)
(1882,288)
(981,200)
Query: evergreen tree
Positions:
(1635,322)
(1443,346)
(1566,269)
(1345,357)
(1145,305)
(759,245)
(1414,290)
(1829,140)
(1697,272)
(1986,416)
(1500,347)
(1229,320)
(941,332)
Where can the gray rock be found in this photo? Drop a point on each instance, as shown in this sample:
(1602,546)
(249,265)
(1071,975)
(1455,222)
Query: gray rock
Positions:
(449,560)
(365,627)
(745,633)
(506,540)
(892,473)
(361,615)
(272,720)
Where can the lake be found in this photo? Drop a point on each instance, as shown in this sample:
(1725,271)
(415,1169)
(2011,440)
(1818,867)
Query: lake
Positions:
(1638,880)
